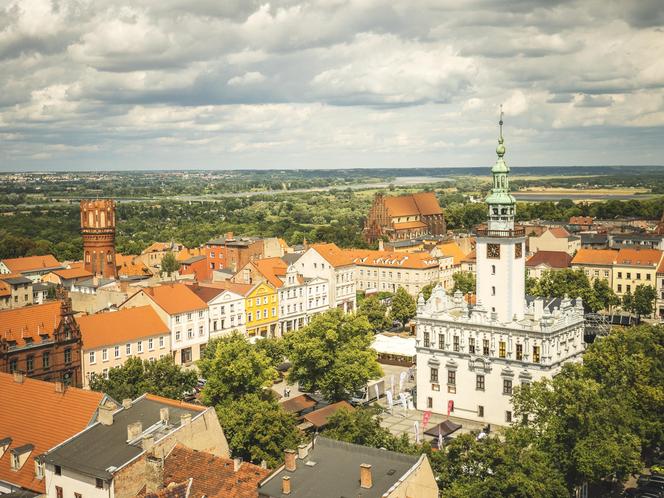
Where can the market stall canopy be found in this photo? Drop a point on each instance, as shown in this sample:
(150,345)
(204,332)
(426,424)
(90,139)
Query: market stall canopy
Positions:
(444,429)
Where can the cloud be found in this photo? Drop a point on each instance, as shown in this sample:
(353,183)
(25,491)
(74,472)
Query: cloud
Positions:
(328,83)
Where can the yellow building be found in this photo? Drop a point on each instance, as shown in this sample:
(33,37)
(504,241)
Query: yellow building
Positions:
(635,267)
(261,308)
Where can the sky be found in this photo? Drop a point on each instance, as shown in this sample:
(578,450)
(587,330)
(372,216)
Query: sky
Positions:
(227,84)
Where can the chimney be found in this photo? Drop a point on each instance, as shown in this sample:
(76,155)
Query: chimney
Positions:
(19,377)
(229,235)
(302,451)
(126,403)
(134,430)
(185,418)
(365,476)
(381,245)
(147,442)
(285,485)
(154,474)
(237,463)
(164,415)
(289,457)
(105,415)
(59,386)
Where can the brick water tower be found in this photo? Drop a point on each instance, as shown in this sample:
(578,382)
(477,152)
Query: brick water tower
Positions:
(98,231)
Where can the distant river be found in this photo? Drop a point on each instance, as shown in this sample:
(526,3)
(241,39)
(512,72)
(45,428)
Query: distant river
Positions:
(540,197)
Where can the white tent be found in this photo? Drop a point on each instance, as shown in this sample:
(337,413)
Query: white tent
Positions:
(394,345)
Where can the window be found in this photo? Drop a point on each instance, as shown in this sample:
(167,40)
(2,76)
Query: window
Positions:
(139,346)
(177,319)
(480,411)
(77,495)
(46,359)
(493,269)
(429,402)
(518,250)
(104,354)
(455,343)
(426,339)
(519,352)
(117,351)
(507,386)
(451,377)
(629,288)
(249,317)
(479,383)
(508,417)
(30,363)
(58,492)
(188,317)
(434,375)
(200,331)
(13,365)
(265,313)
(619,274)
(58,470)
(177,335)
(16,461)
(99,483)
(647,276)
(150,344)
(104,373)
(629,275)
(39,469)
(471,345)
(258,301)
(501,349)
(92,358)
(190,333)
(161,342)
(638,276)
(128,349)
(185,355)
(536,354)
(485,347)
(200,314)
(619,287)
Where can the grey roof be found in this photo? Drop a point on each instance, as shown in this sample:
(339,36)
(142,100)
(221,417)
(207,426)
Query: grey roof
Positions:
(193,259)
(405,243)
(594,238)
(99,448)
(291,257)
(241,241)
(90,282)
(40,286)
(17,280)
(636,236)
(20,493)
(336,472)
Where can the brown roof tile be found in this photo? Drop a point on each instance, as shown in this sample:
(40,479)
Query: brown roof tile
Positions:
(73,273)
(34,413)
(392,259)
(423,204)
(272,269)
(320,417)
(406,225)
(127,324)
(553,259)
(28,323)
(31,263)
(559,232)
(298,403)
(175,298)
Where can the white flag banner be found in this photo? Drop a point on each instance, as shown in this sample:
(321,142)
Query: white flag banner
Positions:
(377,390)
(440,439)
(392,382)
(402,397)
(388,395)
(417,432)
(402,380)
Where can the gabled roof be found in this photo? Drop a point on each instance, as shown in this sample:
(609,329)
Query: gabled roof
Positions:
(34,413)
(160,247)
(271,269)
(28,323)
(185,253)
(212,476)
(32,263)
(661,267)
(452,249)
(175,298)
(427,203)
(237,288)
(581,220)
(595,257)
(320,417)
(129,266)
(73,273)
(298,403)
(552,259)
(332,254)
(126,324)
(423,204)
(559,232)
(639,257)
(392,259)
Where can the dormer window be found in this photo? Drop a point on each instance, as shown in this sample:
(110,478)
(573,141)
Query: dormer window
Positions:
(20,455)
(39,469)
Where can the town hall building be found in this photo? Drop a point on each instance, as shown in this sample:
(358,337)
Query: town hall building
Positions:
(471,357)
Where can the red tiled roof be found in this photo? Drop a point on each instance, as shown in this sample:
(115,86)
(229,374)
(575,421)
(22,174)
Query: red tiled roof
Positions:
(127,324)
(332,254)
(427,203)
(212,476)
(272,269)
(406,225)
(34,413)
(661,267)
(31,263)
(595,257)
(129,266)
(29,322)
(452,249)
(559,232)
(581,220)
(298,403)
(78,272)
(392,259)
(175,298)
(423,204)
(241,289)
(553,259)
(319,418)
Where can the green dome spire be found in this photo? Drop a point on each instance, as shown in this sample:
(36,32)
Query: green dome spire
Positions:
(500,195)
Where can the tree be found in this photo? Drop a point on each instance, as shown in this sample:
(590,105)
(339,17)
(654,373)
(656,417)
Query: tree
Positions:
(258,429)
(573,284)
(274,348)
(169,264)
(427,290)
(136,377)
(233,368)
(333,355)
(403,306)
(464,281)
(604,295)
(376,313)
(644,300)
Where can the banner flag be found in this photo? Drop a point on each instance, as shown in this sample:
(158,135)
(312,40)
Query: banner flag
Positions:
(388,394)
(402,380)
(417,432)
(377,390)
(425,418)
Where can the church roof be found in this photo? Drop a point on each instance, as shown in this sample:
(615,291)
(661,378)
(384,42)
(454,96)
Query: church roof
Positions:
(422,204)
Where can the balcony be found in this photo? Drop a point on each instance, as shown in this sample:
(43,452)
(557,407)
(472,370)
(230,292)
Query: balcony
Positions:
(504,234)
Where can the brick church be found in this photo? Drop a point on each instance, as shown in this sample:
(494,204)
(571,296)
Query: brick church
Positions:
(404,217)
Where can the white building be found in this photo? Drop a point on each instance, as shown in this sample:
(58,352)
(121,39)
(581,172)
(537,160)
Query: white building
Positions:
(318,294)
(331,263)
(225,307)
(292,301)
(470,358)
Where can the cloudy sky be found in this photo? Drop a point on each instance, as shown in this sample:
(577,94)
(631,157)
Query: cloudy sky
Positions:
(172,84)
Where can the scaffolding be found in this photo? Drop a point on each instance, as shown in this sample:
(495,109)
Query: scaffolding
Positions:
(597,325)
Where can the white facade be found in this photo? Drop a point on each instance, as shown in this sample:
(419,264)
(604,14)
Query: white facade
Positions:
(226,312)
(292,301)
(190,332)
(318,299)
(341,278)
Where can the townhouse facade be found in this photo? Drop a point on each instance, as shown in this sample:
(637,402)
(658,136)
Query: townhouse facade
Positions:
(261,309)
(226,303)
(555,239)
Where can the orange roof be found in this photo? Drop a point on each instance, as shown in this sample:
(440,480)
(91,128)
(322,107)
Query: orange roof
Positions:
(129,266)
(332,254)
(452,249)
(31,263)
(424,203)
(75,264)
(127,324)
(271,269)
(559,232)
(158,247)
(5,290)
(409,224)
(661,267)
(639,257)
(185,253)
(238,288)
(175,298)
(581,220)
(175,402)
(29,322)
(595,257)
(470,257)
(212,476)
(78,272)
(34,413)
(392,259)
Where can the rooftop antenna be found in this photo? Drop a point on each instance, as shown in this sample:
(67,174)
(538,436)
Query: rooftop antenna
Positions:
(501,124)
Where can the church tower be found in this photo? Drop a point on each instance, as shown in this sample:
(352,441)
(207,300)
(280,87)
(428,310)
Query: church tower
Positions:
(98,231)
(500,248)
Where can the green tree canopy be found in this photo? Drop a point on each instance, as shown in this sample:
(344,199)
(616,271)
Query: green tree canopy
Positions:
(169,264)
(403,306)
(574,284)
(233,368)
(136,377)
(464,281)
(257,429)
(427,290)
(333,355)
(643,302)
(376,313)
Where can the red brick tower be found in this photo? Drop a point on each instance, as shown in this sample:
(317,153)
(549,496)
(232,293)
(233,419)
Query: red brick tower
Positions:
(98,231)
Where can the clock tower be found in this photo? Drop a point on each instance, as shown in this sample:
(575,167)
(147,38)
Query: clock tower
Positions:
(500,248)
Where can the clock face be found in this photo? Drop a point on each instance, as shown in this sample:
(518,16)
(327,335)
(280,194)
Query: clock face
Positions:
(518,250)
(493,251)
